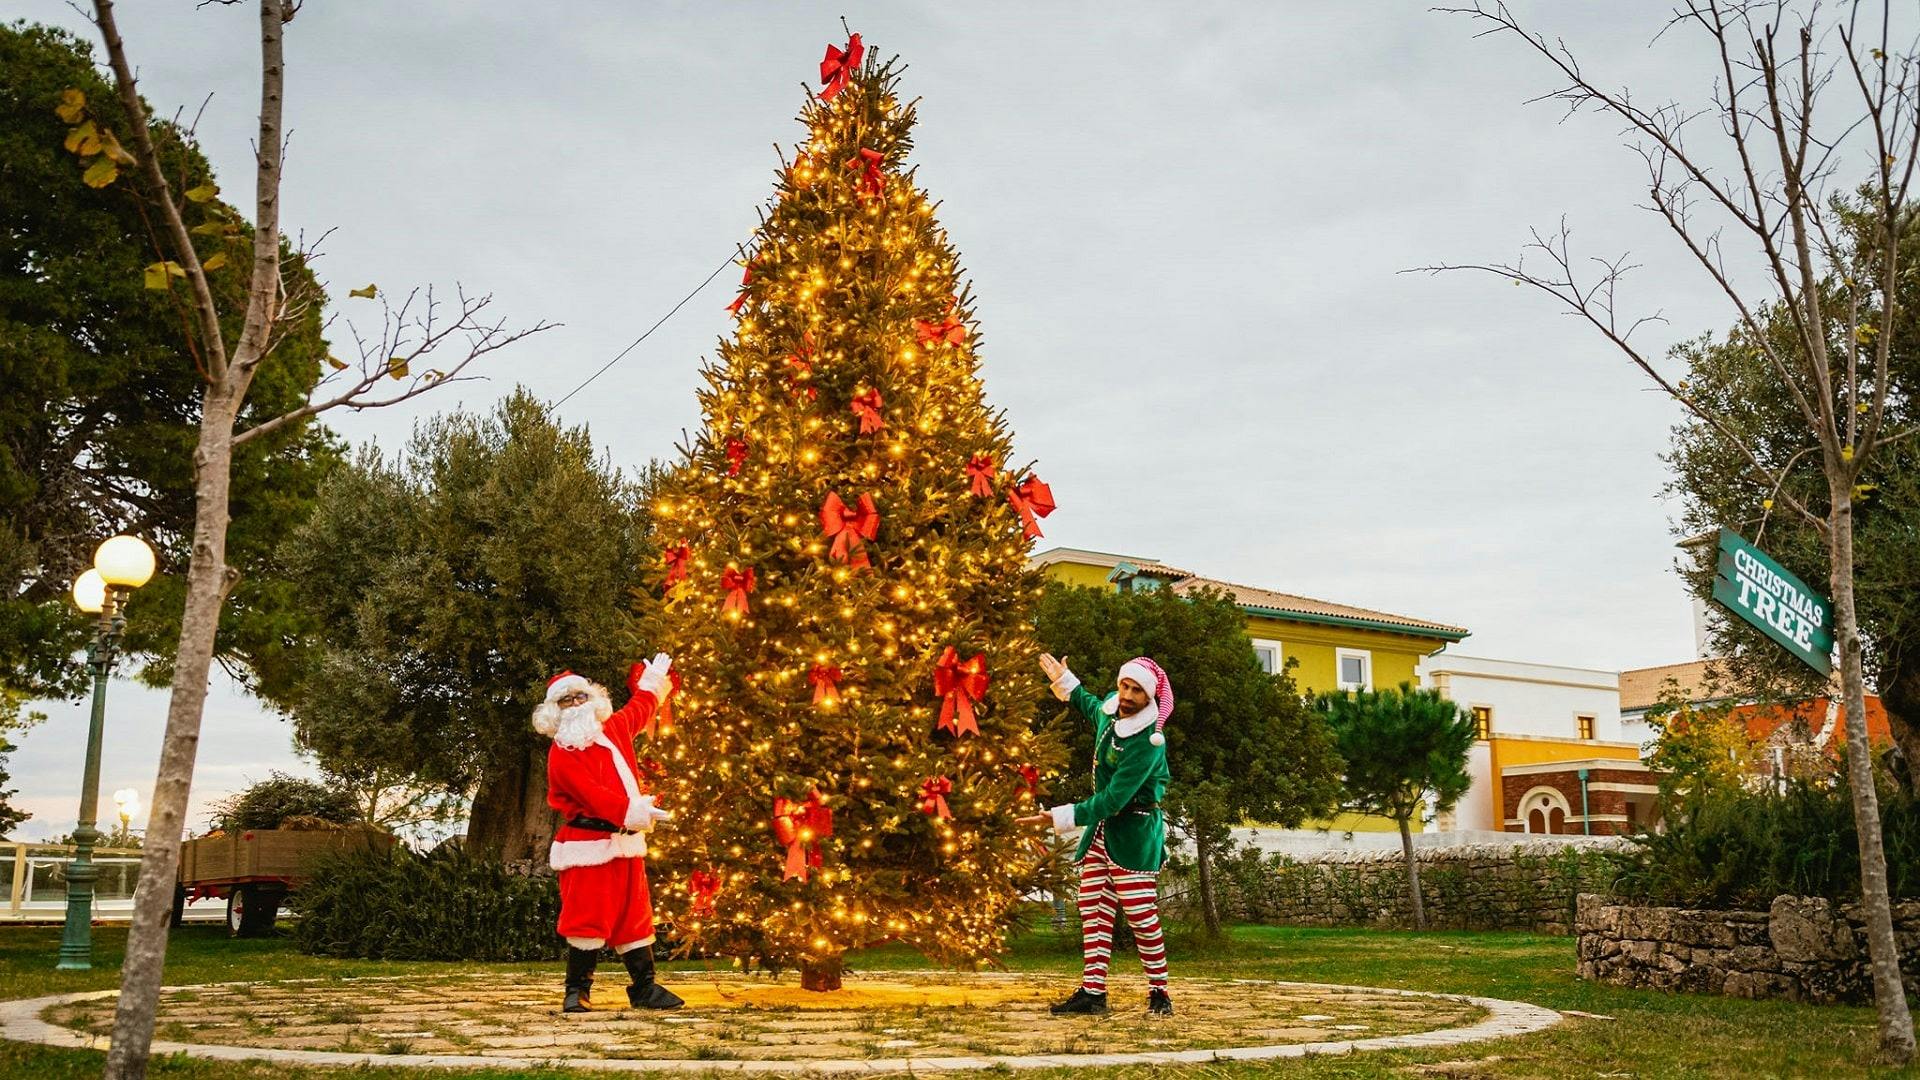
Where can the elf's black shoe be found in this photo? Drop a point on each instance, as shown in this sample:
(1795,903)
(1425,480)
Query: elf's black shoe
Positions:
(1158,1003)
(1082,1003)
(580,964)
(645,993)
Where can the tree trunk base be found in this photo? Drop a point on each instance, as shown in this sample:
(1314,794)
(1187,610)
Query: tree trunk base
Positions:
(821,976)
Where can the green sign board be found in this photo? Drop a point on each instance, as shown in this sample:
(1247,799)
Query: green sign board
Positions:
(1762,592)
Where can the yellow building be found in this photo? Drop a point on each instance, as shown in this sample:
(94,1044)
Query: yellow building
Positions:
(1333,646)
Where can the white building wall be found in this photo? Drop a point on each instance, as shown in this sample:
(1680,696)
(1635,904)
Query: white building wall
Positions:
(1476,806)
(1531,699)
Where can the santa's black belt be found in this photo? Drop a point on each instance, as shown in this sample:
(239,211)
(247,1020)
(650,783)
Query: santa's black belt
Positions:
(595,824)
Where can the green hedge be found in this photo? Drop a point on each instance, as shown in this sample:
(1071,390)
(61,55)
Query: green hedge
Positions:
(1738,849)
(447,905)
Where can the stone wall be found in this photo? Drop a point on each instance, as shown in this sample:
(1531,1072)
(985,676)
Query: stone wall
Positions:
(1802,949)
(1523,886)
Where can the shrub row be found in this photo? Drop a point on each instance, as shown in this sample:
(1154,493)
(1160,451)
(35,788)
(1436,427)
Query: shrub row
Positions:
(446,905)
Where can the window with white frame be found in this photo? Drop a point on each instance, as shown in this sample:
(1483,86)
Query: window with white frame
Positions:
(1271,658)
(1355,668)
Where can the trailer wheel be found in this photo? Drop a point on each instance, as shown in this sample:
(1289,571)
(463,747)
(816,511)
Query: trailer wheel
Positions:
(251,909)
(179,911)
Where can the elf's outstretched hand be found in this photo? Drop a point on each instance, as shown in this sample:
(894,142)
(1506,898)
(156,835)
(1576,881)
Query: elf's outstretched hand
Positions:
(1059,676)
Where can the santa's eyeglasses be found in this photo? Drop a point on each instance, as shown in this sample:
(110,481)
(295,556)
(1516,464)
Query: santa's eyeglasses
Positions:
(570,700)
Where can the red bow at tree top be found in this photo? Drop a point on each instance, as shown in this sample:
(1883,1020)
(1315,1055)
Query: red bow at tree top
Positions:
(980,471)
(933,797)
(867,407)
(704,887)
(736,455)
(871,180)
(951,331)
(800,826)
(737,583)
(1033,499)
(826,685)
(676,558)
(1029,783)
(849,527)
(960,685)
(839,66)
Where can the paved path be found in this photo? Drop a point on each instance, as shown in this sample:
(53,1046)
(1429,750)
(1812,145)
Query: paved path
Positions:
(506,1021)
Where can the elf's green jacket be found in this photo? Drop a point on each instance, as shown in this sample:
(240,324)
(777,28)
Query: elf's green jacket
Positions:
(1129,778)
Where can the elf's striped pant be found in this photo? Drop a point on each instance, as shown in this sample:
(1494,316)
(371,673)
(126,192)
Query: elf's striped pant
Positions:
(1103,888)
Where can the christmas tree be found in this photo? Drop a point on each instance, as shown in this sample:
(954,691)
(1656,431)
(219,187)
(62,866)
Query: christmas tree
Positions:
(844,587)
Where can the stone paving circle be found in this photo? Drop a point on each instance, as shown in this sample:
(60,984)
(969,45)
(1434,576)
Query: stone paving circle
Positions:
(889,1022)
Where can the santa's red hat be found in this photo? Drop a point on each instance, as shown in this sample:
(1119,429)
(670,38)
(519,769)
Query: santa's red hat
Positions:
(566,683)
(1149,677)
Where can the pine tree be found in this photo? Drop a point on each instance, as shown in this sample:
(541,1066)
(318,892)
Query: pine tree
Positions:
(844,586)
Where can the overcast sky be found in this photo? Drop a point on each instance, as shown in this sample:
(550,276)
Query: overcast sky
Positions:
(1184,226)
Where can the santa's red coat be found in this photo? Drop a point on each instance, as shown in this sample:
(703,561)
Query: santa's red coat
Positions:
(603,876)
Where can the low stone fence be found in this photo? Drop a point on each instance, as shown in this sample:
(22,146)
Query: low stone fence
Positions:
(1519,886)
(1801,948)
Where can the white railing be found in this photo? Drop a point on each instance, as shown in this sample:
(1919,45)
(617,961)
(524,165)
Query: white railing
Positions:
(36,875)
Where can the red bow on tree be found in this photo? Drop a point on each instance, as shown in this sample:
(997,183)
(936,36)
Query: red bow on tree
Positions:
(849,527)
(737,583)
(704,886)
(980,471)
(745,279)
(800,826)
(867,407)
(676,559)
(736,455)
(960,685)
(1031,497)
(950,330)
(1029,783)
(871,181)
(660,720)
(933,797)
(838,66)
(800,369)
(826,685)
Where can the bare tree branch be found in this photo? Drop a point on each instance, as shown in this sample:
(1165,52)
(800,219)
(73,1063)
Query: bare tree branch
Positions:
(395,352)
(215,349)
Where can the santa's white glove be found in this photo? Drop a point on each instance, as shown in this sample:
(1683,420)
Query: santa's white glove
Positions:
(642,815)
(655,678)
(1063,819)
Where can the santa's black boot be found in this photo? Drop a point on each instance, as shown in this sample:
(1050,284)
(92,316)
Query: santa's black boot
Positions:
(580,964)
(1082,1003)
(1158,1003)
(645,993)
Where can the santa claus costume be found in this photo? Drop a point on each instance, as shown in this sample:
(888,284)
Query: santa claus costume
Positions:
(1124,837)
(600,849)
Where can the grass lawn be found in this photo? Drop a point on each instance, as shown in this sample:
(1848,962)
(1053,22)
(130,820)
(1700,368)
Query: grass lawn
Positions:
(1649,1035)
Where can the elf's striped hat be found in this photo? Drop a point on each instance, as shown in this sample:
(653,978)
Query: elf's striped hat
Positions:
(1153,680)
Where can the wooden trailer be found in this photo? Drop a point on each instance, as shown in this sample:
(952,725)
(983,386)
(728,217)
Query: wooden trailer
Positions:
(256,868)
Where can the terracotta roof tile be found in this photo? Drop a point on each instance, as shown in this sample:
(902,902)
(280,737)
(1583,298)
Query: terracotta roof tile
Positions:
(1248,596)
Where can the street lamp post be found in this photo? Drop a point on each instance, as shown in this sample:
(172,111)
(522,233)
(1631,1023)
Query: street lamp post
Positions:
(121,565)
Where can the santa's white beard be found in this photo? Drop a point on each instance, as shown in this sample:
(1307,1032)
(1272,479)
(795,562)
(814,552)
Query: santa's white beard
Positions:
(575,728)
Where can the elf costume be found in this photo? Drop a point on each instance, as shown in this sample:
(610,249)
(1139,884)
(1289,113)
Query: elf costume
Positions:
(1125,837)
(600,849)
